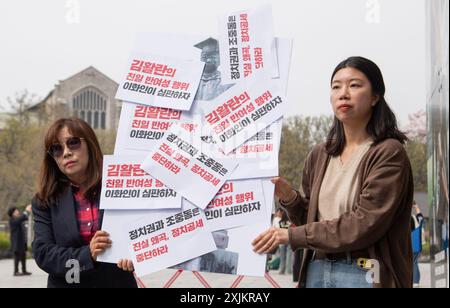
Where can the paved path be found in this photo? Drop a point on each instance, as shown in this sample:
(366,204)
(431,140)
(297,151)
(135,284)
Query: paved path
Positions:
(157,280)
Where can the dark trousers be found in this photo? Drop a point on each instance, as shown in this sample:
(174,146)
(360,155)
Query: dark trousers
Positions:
(298,255)
(20,257)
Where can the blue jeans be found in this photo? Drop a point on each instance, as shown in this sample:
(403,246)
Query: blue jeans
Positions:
(285,259)
(336,274)
(416,271)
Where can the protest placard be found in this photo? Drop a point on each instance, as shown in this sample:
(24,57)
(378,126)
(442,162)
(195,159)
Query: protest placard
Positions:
(126,186)
(247,44)
(144,130)
(257,158)
(113,221)
(244,110)
(189,166)
(160,81)
(238,203)
(141,126)
(158,240)
(234,254)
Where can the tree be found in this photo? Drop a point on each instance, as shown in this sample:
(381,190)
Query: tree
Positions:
(416,147)
(300,135)
(20,157)
(21,104)
(21,153)
(107,140)
(417,127)
(417,153)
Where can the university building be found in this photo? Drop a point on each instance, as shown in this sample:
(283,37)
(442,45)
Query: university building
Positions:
(88,95)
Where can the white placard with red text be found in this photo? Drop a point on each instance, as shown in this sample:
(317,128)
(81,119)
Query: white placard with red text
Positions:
(160,81)
(244,110)
(246,42)
(236,255)
(258,156)
(188,165)
(238,203)
(158,241)
(126,186)
(112,223)
(141,126)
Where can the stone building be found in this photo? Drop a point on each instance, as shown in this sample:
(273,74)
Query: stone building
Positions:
(88,95)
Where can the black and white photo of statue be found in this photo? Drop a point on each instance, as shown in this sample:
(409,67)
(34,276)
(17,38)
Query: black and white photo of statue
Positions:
(210,85)
(218,261)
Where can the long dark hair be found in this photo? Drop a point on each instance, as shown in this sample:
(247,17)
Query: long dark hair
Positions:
(382,124)
(52,182)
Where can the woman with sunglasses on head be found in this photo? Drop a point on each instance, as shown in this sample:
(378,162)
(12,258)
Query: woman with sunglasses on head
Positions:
(353,215)
(67,219)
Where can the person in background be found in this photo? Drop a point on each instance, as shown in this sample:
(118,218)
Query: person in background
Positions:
(416,238)
(277,218)
(285,251)
(273,258)
(19,238)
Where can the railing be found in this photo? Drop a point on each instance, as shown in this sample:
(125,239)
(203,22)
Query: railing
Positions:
(203,281)
(4,226)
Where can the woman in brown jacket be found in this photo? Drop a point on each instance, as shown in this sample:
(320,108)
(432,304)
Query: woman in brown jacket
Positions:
(357,189)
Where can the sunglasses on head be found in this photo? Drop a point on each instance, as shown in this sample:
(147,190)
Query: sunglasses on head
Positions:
(72,143)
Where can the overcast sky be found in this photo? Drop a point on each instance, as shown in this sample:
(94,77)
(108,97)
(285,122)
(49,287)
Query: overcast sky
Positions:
(48,40)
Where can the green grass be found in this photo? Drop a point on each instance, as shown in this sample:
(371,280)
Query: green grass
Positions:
(4,241)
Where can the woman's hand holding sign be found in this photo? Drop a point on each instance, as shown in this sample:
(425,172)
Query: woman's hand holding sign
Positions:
(99,243)
(269,240)
(283,190)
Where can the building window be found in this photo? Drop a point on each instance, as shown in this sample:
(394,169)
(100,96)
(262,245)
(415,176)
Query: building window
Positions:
(103,121)
(90,105)
(95,119)
(89,117)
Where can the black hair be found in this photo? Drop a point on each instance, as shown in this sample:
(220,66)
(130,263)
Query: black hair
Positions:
(11,211)
(382,124)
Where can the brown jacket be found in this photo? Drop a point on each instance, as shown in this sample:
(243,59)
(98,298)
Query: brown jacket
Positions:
(379,222)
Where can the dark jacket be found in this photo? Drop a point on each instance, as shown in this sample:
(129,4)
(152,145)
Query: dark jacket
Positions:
(379,222)
(18,234)
(57,241)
